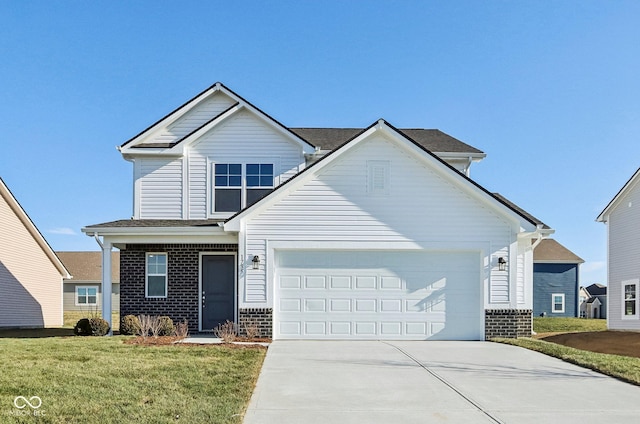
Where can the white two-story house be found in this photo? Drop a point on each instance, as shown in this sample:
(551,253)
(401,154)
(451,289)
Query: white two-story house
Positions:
(320,233)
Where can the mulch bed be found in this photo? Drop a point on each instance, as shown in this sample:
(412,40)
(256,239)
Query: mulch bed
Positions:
(626,343)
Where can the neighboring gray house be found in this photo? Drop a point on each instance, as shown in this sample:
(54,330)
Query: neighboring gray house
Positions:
(556,280)
(317,233)
(30,272)
(84,291)
(596,304)
(622,218)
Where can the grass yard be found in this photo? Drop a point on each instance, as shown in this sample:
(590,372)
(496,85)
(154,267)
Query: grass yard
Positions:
(622,367)
(72,317)
(103,380)
(567,325)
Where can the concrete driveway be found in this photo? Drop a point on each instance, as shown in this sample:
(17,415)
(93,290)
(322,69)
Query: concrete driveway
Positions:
(431,382)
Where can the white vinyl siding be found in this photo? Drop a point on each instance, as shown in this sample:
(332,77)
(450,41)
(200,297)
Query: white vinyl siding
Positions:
(624,257)
(243,138)
(335,207)
(193,119)
(31,285)
(160,188)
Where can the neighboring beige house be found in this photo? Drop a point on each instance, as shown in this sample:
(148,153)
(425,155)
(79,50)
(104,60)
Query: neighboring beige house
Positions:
(30,272)
(84,291)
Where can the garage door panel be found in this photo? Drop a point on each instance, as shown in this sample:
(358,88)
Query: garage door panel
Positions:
(373,295)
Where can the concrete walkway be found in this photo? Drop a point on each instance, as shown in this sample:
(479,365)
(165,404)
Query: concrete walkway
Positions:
(431,382)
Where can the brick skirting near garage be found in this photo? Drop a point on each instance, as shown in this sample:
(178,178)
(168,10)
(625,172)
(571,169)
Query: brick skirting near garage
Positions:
(183,268)
(262,318)
(508,323)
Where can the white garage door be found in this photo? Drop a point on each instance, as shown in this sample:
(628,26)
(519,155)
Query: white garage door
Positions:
(378,295)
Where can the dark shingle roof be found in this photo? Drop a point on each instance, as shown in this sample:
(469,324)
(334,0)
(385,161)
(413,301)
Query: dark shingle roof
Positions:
(432,140)
(151,223)
(597,289)
(551,250)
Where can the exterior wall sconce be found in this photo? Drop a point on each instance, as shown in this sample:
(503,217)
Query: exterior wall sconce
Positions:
(256,262)
(502,264)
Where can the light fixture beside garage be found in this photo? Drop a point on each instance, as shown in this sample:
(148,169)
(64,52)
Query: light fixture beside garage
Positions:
(256,262)
(502,264)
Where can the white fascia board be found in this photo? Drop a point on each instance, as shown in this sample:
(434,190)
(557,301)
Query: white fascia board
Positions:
(170,119)
(604,215)
(153,231)
(234,223)
(475,157)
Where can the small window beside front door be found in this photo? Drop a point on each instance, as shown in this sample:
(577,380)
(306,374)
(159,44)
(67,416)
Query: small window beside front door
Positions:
(156,278)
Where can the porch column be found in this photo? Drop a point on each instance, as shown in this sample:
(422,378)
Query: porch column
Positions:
(106,284)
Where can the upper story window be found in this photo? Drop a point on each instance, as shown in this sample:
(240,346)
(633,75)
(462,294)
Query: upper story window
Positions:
(240,185)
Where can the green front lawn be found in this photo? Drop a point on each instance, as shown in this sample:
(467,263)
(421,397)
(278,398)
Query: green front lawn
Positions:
(567,325)
(622,367)
(103,380)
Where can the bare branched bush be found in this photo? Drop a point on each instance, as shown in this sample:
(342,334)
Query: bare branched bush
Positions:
(227,331)
(149,325)
(251,329)
(182,329)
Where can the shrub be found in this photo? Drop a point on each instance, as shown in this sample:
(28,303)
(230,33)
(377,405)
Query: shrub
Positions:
(251,329)
(182,329)
(227,331)
(130,325)
(82,327)
(99,326)
(165,326)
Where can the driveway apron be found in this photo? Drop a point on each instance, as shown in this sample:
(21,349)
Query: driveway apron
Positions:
(431,382)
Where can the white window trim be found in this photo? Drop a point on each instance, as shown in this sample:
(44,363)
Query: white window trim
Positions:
(553,303)
(87,296)
(146,275)
(630,283)
(211,184)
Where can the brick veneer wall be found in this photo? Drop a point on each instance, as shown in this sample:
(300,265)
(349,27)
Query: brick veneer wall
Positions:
(262,318)
(183,267)
(508,323)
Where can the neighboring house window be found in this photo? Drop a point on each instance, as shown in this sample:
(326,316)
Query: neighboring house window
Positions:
(240,185)
(86,296)
(630,299)
(557,303)
(378,177)
(156,279)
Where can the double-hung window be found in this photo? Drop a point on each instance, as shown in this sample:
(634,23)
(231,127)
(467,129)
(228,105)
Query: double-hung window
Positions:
(630,299)
(156,275)
(86,296)
(238,185)
(557,303)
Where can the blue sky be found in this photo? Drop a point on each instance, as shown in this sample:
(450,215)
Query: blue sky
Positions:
(548,89)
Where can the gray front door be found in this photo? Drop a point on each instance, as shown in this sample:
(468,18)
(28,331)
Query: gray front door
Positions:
(218,290)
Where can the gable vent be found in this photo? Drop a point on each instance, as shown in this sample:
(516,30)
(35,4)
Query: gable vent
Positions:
(378,177)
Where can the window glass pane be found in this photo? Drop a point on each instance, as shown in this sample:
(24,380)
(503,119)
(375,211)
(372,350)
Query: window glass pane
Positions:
(266,180)
(630,307)
(155,286)
(92,291)
(82,291)
(253,181)
(255,194)
(227,200)
(235,181)
(222,181)
(222,169)
(235,169)
(82,299)
(253,169)
(91,300)
(266,169)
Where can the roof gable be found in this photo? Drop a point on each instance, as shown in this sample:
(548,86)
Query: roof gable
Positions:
(187,123)
(617,199)
(443,168)
(550,251)
(20,213)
